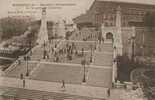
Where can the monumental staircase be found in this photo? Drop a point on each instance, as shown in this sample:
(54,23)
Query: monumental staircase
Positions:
(103,56)
(102,73)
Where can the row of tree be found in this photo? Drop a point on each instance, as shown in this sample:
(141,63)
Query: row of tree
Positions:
(13,27)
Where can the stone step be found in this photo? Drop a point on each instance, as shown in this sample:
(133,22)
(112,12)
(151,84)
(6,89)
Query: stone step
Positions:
(100,77)
(103,59)
(104,55)
(105,47)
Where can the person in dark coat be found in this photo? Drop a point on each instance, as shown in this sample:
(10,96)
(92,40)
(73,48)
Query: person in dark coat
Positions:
(63,84)
(23,83)
(21,76)
(108,92)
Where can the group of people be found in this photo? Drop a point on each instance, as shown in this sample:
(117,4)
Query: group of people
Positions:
(66,52)
(86,34)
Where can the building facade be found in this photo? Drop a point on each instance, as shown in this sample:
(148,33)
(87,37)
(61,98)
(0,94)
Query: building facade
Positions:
(103,11)
(123,20)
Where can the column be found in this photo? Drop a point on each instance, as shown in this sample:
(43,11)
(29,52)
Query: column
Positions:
(114,74)
(43,34)
(118,41)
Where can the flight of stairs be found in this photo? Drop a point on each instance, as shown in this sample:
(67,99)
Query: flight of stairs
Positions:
(103,56)
(103,59)
(101,74)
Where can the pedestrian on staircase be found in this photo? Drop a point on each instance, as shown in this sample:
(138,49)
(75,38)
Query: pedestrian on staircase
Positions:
(23,83)
(63,84)
(21,76)
(108,92)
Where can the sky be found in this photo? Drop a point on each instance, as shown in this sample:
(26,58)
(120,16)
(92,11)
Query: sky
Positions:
(75,8)
(67,10)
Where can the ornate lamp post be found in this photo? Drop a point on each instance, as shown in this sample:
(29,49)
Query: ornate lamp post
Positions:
(26,58)
(83,62)
(44,51)
(91,57)
(133,48)
(30,47)
(115,65)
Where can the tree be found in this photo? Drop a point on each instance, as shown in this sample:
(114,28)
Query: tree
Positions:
(13,27)
(125,66)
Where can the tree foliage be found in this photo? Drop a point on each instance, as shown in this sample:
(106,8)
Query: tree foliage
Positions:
(13,27)
(125,66)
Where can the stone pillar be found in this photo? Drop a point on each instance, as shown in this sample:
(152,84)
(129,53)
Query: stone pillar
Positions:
(118,17)
(118,40)
(43,34)
(118,46)
(114,71)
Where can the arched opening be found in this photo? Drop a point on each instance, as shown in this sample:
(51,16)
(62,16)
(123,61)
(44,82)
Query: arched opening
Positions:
(109,36)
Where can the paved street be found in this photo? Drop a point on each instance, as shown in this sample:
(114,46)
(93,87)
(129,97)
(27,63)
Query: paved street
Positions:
(71,89)
(35,94)
(39,89)
(21,93)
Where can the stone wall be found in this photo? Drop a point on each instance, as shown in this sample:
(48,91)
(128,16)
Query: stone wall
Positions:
(145,39)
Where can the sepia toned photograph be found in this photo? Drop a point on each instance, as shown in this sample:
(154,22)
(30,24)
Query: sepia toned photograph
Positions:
(77,50)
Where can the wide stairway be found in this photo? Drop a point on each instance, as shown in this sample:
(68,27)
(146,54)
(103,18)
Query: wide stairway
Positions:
(103,56)
(101,73)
